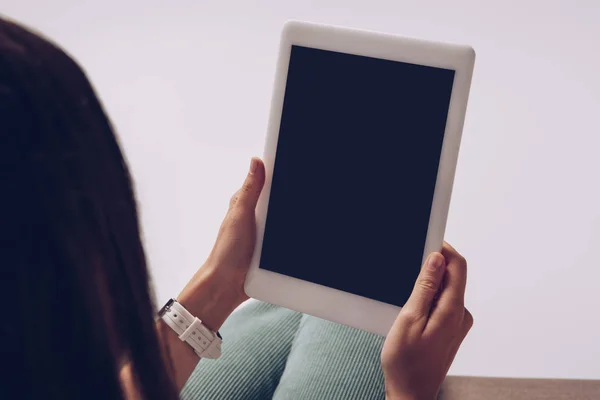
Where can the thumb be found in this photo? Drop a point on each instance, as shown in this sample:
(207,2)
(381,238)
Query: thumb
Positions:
(426,288)
(255,180)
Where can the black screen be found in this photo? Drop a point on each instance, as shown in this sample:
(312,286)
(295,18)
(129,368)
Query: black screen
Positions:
(355,170)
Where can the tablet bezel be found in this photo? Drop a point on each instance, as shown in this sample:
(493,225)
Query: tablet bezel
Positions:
(318,300)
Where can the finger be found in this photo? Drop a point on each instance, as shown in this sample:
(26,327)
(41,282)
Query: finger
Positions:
(455,280)
(425,290)
(450,305)
(248,195)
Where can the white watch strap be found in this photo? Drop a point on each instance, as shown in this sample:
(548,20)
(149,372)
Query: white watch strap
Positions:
(206,344)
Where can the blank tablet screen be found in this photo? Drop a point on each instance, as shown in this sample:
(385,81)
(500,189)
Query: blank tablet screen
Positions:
(355,170)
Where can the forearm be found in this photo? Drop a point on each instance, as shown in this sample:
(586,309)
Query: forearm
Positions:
(206,297)
(209,299)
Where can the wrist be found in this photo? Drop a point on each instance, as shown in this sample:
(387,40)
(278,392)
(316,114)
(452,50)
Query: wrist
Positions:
(210,298)
(404,396)
(393,394)
(390,396)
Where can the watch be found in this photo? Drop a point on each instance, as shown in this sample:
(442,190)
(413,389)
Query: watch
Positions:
(206,343)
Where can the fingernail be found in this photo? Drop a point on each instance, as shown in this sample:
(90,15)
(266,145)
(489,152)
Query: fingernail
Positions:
(435,261)
(253,165)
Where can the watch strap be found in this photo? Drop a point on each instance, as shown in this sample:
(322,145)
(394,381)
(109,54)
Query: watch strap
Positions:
(206,343)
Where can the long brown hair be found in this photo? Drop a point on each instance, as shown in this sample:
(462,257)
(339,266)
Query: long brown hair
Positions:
(75,299)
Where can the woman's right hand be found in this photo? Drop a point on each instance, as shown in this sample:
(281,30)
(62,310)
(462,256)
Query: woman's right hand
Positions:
(429,329)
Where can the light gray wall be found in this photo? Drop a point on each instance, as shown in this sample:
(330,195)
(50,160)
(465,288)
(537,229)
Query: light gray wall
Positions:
(188,85)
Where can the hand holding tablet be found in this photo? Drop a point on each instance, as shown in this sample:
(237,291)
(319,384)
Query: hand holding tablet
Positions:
(429,330)
(360,156)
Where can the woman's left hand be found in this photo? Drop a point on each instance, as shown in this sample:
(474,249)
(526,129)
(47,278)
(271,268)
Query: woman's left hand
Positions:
(218,286)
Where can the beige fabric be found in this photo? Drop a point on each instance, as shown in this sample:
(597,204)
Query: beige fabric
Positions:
(469,388)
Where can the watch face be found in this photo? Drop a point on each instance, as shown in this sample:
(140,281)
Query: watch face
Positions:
(166,307)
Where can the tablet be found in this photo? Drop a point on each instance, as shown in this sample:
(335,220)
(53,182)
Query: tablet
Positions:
(361,150)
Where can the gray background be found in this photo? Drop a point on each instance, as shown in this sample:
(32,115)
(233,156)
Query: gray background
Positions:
(188,85)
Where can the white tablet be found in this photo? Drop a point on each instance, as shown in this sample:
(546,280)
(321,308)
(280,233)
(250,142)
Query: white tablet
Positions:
(361,150)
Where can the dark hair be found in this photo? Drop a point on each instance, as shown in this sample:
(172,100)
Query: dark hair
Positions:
(74,286)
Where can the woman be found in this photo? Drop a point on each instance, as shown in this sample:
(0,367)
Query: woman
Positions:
(78,320)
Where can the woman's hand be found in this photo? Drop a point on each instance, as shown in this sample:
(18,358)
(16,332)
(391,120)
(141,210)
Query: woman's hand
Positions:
(218,287)
(429,330)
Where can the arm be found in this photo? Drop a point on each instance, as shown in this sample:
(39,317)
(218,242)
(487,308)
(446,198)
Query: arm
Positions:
(217,289)
(212,302)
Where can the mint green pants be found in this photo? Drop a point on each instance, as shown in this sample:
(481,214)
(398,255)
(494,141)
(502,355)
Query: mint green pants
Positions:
(273,353)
